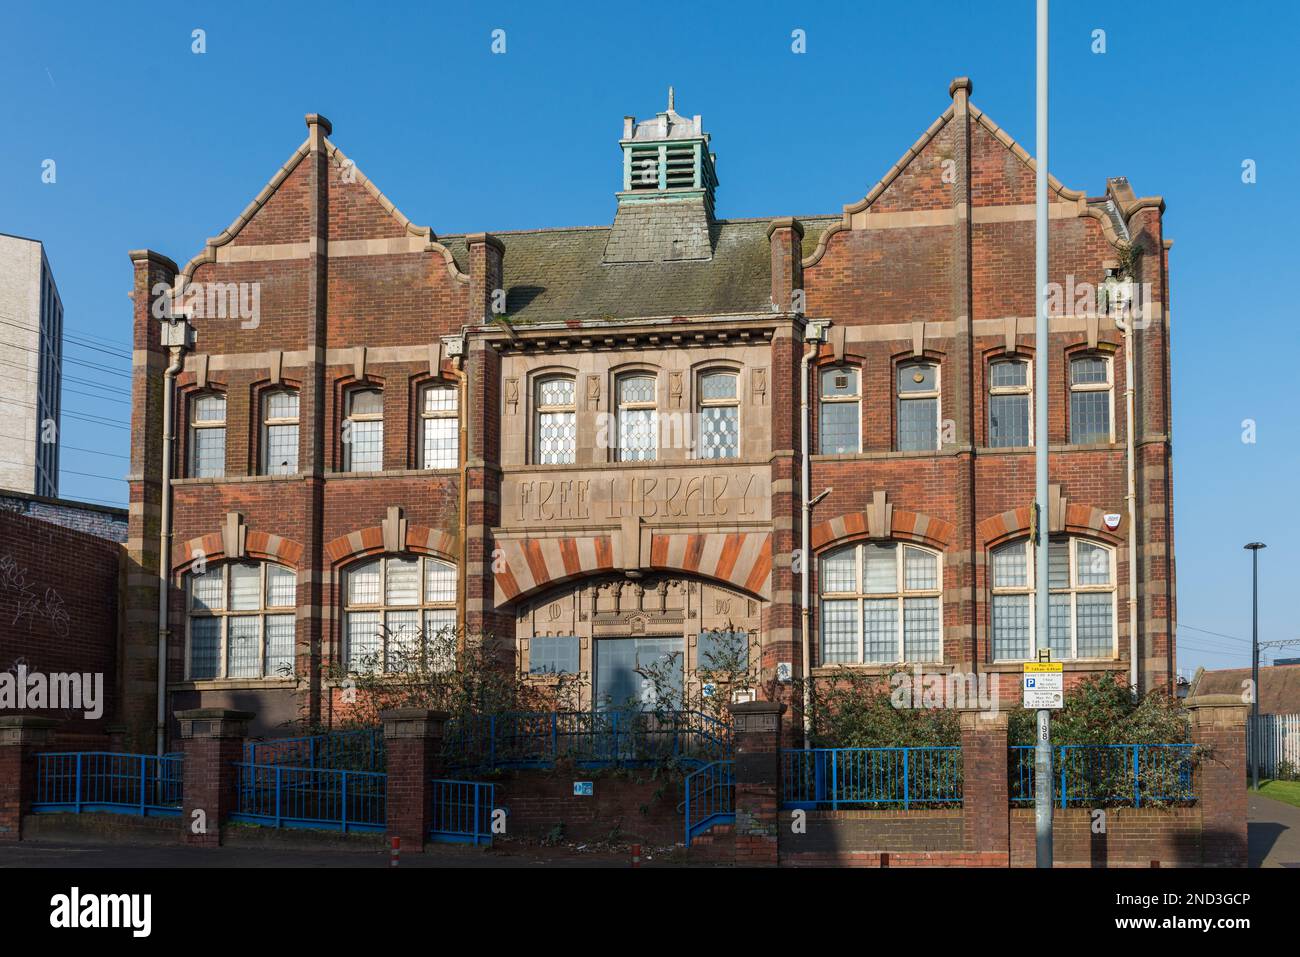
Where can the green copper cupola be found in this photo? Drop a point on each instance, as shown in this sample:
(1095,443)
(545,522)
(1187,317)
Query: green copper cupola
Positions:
(665,208)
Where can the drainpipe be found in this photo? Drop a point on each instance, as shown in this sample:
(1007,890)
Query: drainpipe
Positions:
(1126,327)
(814,332)
(177,335)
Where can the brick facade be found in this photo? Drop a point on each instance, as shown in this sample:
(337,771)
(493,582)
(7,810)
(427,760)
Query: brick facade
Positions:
(60,608)
(934,263)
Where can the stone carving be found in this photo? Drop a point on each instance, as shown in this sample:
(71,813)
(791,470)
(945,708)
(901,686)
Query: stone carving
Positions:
(512,396)
(686,496)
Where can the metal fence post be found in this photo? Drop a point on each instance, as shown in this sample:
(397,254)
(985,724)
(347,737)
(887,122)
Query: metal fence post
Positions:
(143,766)
(277,795)
(77,797)
(835,781)
(1065,798)
(1137,788)
(906,779)
(344,814)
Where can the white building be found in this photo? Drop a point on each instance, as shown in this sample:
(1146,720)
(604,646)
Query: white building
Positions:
(31,362)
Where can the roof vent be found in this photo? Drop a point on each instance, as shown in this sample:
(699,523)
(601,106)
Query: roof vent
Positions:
(665,207)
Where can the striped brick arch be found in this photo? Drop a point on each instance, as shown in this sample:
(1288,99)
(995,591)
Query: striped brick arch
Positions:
(895,523)
(370,541)
(258,545)
(525,566)
(1068,518)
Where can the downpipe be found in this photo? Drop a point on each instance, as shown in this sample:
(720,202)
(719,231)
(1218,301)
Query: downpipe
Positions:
(165,542)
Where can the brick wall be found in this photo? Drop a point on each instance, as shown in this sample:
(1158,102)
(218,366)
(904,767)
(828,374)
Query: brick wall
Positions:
(59,612)
(632,805)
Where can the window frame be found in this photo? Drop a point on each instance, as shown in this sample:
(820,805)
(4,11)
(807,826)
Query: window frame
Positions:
(855,398)
(426,417)
(900,397)
(350,398)
(651,406)
(383,608)
(196,425)
(859,595)
(1108,387)
(702,403)
(539,409)
(264,611)
(1073,589)
(269,423)
(1026,390)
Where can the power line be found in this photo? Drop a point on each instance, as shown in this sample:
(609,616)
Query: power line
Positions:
(1216,634)
(106,478)
(62,446)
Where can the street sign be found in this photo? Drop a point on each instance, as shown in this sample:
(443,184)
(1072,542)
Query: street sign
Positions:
(1044,685)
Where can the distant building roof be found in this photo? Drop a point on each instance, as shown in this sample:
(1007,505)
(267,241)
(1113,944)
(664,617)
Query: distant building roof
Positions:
(1279,686)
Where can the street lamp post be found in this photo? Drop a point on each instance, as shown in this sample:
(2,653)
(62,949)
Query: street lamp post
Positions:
(1253,737)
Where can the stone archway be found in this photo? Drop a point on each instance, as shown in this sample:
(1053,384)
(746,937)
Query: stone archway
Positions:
(612,624)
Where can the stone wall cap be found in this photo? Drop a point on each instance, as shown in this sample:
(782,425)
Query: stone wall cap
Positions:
(785,222)
(961,83)
(317,119)
(28,721)
(473,239)
(148,255)
(1215,701)
(757,707)
(413,714)
(215,714)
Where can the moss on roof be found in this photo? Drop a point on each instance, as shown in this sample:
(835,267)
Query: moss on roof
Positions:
(556,275)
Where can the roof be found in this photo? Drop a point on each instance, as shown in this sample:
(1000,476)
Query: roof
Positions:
(1279,686)
(554,275)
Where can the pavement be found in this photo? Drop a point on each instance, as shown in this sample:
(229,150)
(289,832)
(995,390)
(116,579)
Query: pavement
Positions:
(86,854)
(1273,832)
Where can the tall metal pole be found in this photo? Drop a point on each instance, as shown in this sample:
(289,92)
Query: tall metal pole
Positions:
(1042,351)
(1253,737)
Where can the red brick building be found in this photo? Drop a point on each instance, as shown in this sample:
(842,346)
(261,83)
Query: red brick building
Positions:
(587,440)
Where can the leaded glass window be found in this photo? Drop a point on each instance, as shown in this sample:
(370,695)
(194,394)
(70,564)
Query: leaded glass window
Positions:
(881,603)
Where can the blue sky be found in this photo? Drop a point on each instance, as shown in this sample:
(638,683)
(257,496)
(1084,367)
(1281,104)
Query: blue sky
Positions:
(159,147)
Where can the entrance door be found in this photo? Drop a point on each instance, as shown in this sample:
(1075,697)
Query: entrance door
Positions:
(619,685)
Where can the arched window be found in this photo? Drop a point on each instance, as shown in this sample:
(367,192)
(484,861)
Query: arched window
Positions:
(839,421)
(399,614)
(241,621)
(439,427)
(1090,406)
(719,416)
(208,436)
(1081,583)
(918,406)
(1010,407)
(280,432)
(638,420)
(881,603)
(555,428)
(363,431)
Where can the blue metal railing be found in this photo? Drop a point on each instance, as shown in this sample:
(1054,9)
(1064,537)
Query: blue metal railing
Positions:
(832,778)
(588,738)
(361,750)
(1111,774)
(279,796)
(462,812)
(710,798)
(77,781)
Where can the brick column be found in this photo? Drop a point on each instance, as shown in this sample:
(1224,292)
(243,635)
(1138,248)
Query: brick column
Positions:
(22,737)
(757,742)
(413,747)
(212,740)
(985,803)
(1219,726)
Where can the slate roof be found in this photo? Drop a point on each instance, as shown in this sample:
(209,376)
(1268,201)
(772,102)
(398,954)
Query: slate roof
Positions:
(554,275)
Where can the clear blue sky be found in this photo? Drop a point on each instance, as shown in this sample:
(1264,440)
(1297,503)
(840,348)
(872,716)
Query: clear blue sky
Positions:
(159,147)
